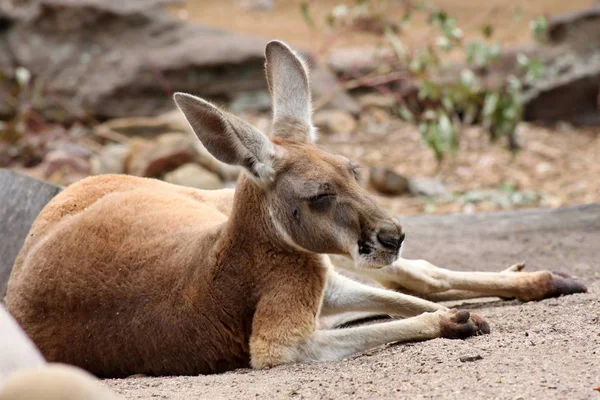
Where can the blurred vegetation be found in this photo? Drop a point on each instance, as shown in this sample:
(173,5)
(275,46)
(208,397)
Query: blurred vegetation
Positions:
(445,105)
(26,135)
(18,132)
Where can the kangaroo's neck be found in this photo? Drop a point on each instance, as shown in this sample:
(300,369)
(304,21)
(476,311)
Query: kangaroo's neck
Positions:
(252,233)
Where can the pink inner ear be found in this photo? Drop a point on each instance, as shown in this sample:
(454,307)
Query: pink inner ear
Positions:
(290,90)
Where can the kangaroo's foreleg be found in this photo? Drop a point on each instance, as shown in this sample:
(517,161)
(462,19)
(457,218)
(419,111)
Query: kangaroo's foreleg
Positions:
(346,301)
(343,294)
(424,279)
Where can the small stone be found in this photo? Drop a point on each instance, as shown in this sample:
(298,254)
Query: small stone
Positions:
(136,376)
(193,175)
(470,358)
(64,168)
(543,168)
(387,181)
(326,91)
(374,100)
(250,101)
(111,160)
(152,158)
(363,59)
(260,5)
(144,127)
(428,187)
(334,121)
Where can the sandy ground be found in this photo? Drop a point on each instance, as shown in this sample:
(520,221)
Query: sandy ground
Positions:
(544,350)
(285,21)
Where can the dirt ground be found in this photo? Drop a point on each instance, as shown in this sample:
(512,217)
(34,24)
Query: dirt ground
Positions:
(542,350)
(284,21)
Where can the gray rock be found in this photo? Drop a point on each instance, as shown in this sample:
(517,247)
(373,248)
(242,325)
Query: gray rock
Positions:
(111,160)
(21,200)
(251,101)
(326,91)
(470,358)
(153,158)
(361,59)
(334,121)
(570,97)
(428,187)
(387,182)
(578,30)
(193,175)
(113,58)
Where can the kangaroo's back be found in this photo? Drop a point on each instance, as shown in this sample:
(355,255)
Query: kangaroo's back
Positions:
(124,256)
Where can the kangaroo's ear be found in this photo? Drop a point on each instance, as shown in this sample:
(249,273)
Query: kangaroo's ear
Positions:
(287,76)
(228,138)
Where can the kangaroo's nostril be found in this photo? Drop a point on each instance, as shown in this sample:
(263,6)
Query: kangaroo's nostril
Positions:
(390,238)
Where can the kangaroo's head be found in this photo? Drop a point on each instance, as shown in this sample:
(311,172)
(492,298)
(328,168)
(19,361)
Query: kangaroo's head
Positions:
(312,197)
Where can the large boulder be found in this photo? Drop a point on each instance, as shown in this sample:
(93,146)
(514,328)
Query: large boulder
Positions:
(108,58)
(579,29)
(21,200)
(193,175)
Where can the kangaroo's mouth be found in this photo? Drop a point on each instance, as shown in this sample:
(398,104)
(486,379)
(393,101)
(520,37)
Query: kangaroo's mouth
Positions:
(370,254)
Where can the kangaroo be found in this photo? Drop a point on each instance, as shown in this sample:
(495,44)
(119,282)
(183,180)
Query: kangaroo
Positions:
(123,275)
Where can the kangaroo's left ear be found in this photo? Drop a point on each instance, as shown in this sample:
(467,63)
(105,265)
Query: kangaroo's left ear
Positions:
(287,76)
(228,138)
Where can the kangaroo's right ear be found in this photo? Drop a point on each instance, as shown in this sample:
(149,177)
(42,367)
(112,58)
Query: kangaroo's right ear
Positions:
(287,77)
(228,138)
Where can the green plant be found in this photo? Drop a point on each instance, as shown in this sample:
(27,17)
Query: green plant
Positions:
(506,196)
(446,103)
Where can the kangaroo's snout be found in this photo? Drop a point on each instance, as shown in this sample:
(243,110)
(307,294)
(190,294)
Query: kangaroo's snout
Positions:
(391,237)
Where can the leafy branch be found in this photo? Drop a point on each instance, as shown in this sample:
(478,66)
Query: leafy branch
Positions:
(444,105)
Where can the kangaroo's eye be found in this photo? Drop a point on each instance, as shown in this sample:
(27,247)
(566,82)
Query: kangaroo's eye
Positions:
(354,168)
(320,202)
(319,197)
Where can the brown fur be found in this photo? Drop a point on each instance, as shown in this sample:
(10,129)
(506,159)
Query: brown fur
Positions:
(123,275)
(120,266)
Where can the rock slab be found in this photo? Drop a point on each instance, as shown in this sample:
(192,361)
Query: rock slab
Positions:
(21,200)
